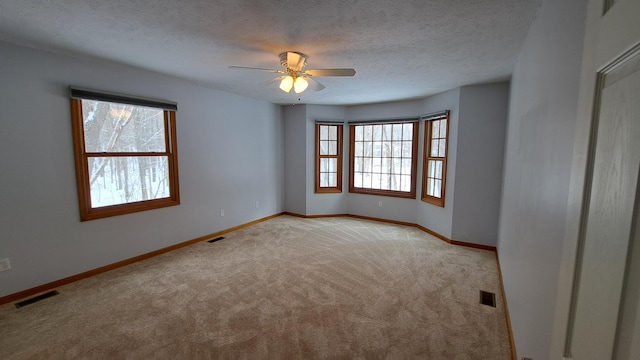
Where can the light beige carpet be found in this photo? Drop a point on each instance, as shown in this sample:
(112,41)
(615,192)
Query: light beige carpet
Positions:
(287,288)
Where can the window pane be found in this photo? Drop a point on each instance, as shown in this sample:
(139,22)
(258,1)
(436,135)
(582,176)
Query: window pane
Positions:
(357,179)
(368,132)
(376,165)
(430,186)
(406,149)
(375,181)
(368,148)
(366,180)
(443,128)
(324,180)
(386,132)
(432,169)
(396,149)
(333,148)
(358,149)
(357,162)
(324,129)
(121,180)
(435,129)
(328,147)
(333,179)
(360,165)
(395,166)
(385,182)
(324,165)
(397,131)
(386,149)
(407,130)
(385,166)
(434,148)
(333,164)
(438,172)
(324,148)
(405,183)
(359,135)
(437,189)
(406,167)
(333,132)
(377,132)
(377,149)
(112,127)
(442,148)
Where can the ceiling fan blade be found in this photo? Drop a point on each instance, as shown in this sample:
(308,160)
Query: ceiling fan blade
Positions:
(331,72)
(273,81)
(261,69)
(295,61)
(314,85)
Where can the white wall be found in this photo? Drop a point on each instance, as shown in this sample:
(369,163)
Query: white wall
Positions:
(538,154)
(295,149)
(300,139)
(230,152)
(479,159)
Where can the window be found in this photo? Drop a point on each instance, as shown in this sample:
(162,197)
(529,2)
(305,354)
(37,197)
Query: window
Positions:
(328,158)
(436,134)
(125,152)
(383,159)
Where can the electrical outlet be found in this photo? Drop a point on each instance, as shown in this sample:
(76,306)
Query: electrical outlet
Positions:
(379,203)
(222,212)
(5,264)
(257,204)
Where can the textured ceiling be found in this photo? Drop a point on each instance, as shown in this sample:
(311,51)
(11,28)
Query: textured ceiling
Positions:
(400,49)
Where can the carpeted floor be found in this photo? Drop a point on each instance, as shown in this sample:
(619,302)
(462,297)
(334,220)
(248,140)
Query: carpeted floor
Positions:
(287,288)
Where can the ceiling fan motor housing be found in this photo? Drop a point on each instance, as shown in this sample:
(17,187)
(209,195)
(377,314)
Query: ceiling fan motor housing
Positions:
(283,58)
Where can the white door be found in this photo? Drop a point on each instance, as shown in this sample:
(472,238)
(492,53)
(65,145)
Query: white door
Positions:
(605,322)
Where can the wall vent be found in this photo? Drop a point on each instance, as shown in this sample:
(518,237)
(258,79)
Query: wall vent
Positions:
(487,298)
(216,239)
(35,299)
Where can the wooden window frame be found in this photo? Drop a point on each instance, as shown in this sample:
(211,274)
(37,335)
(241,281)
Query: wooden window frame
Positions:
(438,201)
(414,163)
(338,188)
(87,212)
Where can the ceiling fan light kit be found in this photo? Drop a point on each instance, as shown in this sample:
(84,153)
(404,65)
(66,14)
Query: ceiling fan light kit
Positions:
(286,84)
(300,85)
(294,77)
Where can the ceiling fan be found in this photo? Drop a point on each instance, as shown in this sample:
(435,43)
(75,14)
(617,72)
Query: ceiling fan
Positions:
(295,77)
